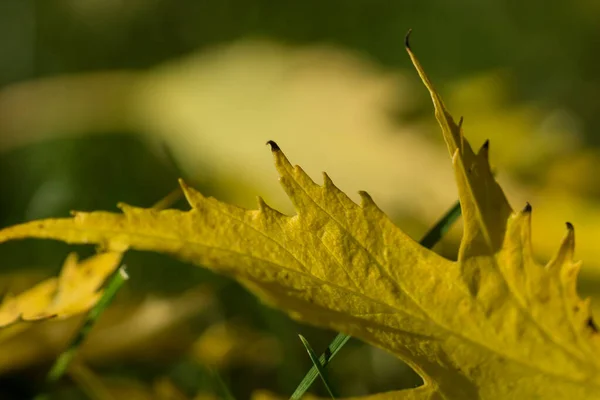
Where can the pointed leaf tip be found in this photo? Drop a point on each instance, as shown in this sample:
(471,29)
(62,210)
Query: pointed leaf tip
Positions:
(262,206)
(484,150)
(327,182)
(565,252)
(274,146)
(366,198)
(185,188)
(407,39)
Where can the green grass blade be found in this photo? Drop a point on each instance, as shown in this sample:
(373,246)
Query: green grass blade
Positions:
(61,364)
(221,388)
(441,227)
(429,240)
(317,364)
(336,344)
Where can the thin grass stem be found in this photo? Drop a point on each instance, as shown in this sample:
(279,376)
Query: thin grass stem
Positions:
(429,240)
(317,364)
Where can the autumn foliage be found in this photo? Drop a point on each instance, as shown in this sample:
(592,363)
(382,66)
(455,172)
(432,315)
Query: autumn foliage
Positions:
(494,324)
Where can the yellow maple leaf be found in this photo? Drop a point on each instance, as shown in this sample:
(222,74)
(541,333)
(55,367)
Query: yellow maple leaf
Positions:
(494,324)
(74,291)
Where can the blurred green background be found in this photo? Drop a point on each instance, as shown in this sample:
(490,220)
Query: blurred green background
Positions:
(109,100)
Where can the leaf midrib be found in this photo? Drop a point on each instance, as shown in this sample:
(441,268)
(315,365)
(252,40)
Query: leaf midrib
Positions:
(474,342)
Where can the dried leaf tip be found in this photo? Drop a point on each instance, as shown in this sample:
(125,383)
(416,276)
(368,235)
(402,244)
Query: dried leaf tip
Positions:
(327,182)
(366,199)
(407,39)
(527,209)
(484,150)
(262,206)
(274,146)
(185,188)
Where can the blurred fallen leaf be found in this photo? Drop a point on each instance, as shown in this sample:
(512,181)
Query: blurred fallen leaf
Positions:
(165,389)
(493,115)
(75,290)
(150,328)
(234,344)
(127,333)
